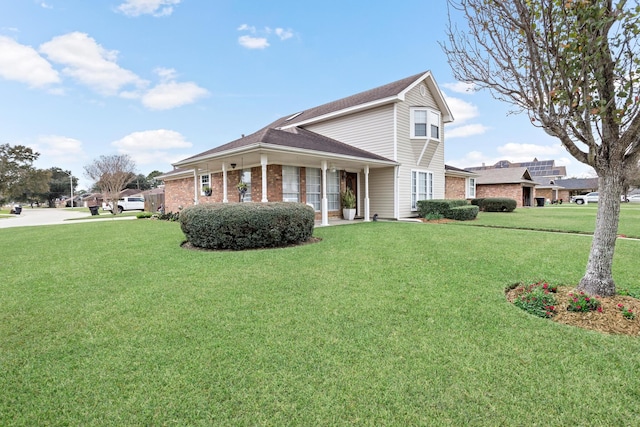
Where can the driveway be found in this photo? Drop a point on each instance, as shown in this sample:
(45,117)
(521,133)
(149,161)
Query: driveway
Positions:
(49,216)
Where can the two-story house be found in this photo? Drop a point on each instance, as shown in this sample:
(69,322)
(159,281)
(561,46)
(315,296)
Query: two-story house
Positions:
(386,144)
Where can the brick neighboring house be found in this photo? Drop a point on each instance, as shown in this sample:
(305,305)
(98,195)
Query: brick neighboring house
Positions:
(386,144)
(459,183)
(513,182)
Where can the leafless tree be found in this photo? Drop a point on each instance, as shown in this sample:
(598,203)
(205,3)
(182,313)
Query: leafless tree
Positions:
(571,65)
(111,174)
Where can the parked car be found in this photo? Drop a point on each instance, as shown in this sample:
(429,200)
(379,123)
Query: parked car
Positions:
(127,204)
(634,199)
(585,198)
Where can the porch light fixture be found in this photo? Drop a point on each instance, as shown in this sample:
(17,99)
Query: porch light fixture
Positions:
(233,165)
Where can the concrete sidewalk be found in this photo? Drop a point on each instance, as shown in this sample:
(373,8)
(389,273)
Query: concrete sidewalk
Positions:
(51,216)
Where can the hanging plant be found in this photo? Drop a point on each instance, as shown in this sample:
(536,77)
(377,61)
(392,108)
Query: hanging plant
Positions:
(242,187)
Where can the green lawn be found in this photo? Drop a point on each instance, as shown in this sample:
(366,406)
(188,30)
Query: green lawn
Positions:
(112,323)
(565,217)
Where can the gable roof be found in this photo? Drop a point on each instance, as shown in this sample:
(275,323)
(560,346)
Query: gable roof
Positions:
(391,92)
(542,168)
(578,183)
(504,176)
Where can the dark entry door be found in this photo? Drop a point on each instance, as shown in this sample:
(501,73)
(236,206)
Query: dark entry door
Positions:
(351,182)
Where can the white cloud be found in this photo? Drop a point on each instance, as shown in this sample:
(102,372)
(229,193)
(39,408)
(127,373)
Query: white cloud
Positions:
(466,130)
(261,41)
(89,63)
(155,8)
(152,146)
(460,87)
(45,5)
(515,152)
(23,64)
(284,34)
(461,110)
(58,147)
(253,42)
(167,95)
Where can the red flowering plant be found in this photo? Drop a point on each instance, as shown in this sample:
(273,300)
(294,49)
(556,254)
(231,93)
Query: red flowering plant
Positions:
(626,312)
(537,299)
(582,302)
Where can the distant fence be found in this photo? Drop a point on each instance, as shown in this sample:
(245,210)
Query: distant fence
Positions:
(153,201)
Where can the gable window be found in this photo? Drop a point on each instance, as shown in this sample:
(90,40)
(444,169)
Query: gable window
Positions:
(471,188)
(205,180)
(425,123)
(290,184)
(421,187)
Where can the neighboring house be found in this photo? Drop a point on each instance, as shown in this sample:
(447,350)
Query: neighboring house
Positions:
(513,182)
(575,186)
(459,183)
(386,144)
(536,168)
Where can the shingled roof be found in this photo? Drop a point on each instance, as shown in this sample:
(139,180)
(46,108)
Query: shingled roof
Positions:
(291,138)
(504,176)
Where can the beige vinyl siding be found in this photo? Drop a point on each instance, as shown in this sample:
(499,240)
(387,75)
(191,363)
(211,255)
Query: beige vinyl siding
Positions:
(409,151)
(381,192)
(370,130)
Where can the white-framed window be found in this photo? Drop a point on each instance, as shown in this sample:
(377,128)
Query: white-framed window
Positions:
(246,178)
(421,187)
(290,184)
(314,187)
(333,191)
(205,180)
(471,188)
(425,123)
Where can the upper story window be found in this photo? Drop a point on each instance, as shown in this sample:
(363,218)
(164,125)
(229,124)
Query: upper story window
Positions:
(425,123)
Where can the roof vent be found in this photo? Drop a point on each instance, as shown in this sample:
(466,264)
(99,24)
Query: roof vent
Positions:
(294,116)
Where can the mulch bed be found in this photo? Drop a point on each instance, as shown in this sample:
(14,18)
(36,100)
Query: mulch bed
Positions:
(610,321)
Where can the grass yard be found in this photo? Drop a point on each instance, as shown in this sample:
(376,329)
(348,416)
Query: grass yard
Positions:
(112,323)
(566,217)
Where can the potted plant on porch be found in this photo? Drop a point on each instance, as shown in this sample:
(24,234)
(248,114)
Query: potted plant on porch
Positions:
(348,204)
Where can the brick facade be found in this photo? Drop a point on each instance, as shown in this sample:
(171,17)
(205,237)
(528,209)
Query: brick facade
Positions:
(511,191)
(181,192)
(455,187)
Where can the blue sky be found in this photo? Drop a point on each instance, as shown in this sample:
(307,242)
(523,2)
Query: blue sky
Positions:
(161,80)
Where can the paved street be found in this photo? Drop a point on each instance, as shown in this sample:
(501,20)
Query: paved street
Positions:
(49,216)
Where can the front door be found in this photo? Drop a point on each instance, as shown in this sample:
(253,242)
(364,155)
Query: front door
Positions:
(351,181)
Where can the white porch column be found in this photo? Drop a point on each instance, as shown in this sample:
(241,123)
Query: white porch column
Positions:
(325,202)
(224,183)
(263,162)
(196,193)
(366,194)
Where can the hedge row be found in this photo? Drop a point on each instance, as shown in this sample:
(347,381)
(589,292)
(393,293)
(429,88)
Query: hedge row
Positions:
(239,226)
(495,204)
(453,209)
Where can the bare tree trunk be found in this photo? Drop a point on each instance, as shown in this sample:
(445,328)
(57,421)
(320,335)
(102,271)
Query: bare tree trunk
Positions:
(598,279)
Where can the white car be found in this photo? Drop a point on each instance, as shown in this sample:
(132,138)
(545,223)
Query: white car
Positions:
(586,198)
(634,199)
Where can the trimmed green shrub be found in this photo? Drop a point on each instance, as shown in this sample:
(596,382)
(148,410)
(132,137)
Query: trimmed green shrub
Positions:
(143,215)
(463,213)
(239,226)
(498,204)
(427,208)
(477,202)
